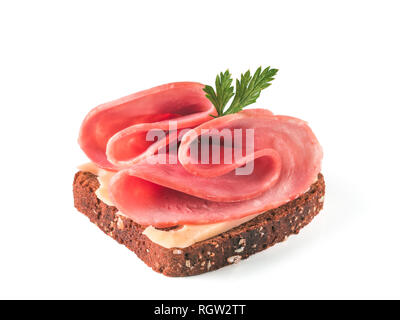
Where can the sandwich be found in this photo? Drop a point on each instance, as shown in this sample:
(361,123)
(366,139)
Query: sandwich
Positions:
(190,184)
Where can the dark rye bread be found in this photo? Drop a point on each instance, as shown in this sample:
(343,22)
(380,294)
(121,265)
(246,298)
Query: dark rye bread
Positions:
(227,248)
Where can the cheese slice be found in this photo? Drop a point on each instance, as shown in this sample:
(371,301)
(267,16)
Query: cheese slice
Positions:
(104,177)
(187,235)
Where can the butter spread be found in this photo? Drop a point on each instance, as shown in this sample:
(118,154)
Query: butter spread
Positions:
(183,237)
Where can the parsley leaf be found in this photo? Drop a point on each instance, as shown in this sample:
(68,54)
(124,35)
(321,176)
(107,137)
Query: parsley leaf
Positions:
(223,85)
(248,89)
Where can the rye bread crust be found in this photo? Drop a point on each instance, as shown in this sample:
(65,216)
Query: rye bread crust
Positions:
(227,248)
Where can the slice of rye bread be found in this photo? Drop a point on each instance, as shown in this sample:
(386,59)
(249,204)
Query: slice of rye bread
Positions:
(224,249)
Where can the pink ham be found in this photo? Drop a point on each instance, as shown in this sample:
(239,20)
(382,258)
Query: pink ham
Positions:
(287,159)
(228,187)
(113,135)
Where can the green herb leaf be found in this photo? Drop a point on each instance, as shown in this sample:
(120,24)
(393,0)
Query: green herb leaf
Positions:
(224,88)
(248,89)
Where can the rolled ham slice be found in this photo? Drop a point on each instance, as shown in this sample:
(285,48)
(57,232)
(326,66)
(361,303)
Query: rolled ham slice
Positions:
(113,135)
(286,159)
(228,187)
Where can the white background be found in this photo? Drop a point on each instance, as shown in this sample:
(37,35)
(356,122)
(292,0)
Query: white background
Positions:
(339,67)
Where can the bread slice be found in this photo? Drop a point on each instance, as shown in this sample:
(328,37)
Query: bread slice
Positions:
(227,248)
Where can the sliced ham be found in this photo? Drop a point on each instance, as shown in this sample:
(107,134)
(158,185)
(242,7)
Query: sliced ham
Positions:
(228,187)
(286,159)
(113,135)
